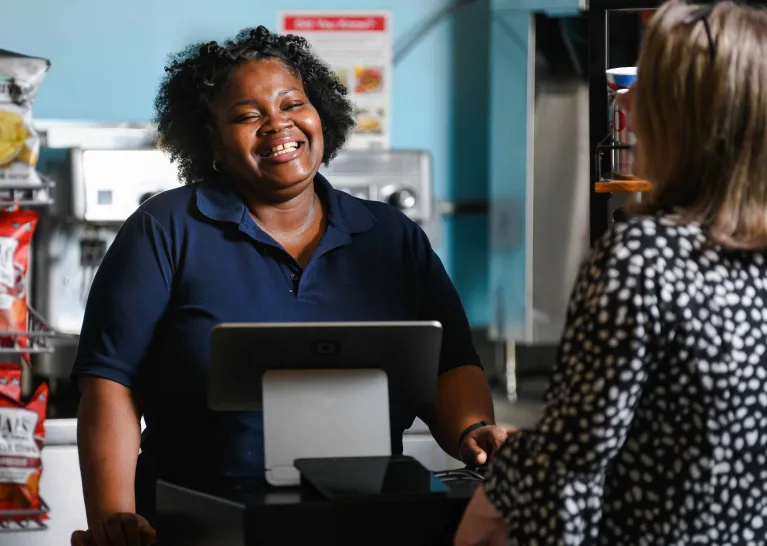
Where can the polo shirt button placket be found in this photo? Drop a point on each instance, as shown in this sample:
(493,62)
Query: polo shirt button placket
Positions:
(295,277)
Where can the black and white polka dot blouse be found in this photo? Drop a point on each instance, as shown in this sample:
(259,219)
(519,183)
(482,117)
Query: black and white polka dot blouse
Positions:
(655,429)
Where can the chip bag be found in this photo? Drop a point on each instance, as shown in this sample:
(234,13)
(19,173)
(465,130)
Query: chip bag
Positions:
(22,436)
(10,380)
(20,80)
(16,231)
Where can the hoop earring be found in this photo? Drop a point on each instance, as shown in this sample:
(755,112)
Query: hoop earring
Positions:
(215,165)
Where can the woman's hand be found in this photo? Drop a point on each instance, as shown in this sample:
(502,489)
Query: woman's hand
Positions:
(481,524)
(117,530)
(480,444)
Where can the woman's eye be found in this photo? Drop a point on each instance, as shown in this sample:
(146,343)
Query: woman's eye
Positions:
(247,117)
(292,105)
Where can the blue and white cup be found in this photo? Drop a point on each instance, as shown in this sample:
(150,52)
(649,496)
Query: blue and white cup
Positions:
(621,78)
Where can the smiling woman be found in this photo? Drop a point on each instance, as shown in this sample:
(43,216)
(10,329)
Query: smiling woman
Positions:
(264,112)
(197,77)
(256,235)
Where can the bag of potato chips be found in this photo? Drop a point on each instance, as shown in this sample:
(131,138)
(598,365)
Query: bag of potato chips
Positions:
(16,230)
(20,79)
(10,380)
(22,437)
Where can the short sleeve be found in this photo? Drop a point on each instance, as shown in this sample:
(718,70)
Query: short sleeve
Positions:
(440,301)
(129,296)
(548,482)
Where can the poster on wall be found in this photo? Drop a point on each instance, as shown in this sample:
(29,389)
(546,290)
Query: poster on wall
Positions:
(358,47)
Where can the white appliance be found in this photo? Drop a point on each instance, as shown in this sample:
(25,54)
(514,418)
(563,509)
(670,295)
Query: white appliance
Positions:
(109,185)
(97,191)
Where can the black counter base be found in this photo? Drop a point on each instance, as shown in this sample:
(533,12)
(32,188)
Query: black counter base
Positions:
(288,517)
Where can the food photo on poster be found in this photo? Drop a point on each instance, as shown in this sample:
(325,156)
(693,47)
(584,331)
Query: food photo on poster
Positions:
(368,79)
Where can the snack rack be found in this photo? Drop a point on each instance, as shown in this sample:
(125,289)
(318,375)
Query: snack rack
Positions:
(26,194)
(23,520)
(38,338)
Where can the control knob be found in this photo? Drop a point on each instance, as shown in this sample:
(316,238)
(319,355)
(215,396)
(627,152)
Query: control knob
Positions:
(403,199)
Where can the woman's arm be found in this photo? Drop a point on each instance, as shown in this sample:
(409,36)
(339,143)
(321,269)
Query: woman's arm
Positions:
(129,297)
(109,438)
(549,482)
(463,396)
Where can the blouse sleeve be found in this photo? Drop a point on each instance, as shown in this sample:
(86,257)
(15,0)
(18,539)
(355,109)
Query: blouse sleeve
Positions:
(548,482)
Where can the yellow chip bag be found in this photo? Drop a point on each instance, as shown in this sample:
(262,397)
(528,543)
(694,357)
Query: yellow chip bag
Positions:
(20,80)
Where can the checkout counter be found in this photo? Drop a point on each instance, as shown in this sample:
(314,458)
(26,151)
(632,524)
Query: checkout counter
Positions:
(243,516)
(198,509)
(348,488)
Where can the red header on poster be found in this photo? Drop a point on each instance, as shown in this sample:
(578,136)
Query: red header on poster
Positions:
(320,23)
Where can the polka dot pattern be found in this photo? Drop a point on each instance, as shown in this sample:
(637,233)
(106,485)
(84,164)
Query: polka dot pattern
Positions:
(655,428)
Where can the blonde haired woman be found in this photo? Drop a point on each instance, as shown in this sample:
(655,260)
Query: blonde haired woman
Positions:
(655,430)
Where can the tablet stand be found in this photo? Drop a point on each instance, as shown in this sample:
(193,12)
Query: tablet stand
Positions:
(322,413)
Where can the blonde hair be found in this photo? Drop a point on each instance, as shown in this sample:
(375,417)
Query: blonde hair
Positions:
(700,115)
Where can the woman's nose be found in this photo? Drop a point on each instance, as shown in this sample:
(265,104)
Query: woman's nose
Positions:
(277,121)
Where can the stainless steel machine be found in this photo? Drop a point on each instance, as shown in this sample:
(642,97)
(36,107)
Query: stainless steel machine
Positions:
(105,187)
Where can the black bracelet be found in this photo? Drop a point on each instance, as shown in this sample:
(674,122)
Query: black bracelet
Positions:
(469,430)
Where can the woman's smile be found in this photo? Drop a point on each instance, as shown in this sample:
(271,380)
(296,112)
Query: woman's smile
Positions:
(282,152)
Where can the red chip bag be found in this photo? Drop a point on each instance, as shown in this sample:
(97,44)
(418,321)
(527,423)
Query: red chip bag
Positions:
(16,230)
(22,436)
(10,380)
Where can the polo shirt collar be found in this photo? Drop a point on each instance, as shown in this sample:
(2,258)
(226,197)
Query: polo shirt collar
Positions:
(219,202)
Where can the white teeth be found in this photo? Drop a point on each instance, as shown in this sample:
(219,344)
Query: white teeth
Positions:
(284,147)
(281,149)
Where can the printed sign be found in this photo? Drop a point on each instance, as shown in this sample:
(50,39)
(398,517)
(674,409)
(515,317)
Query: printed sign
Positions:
(358,47)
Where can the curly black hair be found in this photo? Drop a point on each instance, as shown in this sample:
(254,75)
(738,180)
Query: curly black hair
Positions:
(198,74)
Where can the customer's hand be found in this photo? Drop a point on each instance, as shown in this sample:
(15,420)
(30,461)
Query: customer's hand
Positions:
(480,444)
(481,524)
(117,530)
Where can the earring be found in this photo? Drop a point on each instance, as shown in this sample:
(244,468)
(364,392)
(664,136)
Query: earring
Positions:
(215,165)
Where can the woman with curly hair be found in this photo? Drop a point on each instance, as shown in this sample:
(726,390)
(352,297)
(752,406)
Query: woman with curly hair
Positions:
(255,235)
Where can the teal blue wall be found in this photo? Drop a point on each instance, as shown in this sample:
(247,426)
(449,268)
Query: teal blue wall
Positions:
(108,57)
(510,53)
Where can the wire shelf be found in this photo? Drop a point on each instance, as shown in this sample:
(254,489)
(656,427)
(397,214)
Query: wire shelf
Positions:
(38,338)
(26,194)
(24,520)
(607,145)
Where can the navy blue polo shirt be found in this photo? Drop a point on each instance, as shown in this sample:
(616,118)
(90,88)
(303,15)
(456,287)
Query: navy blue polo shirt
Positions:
(193,257)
